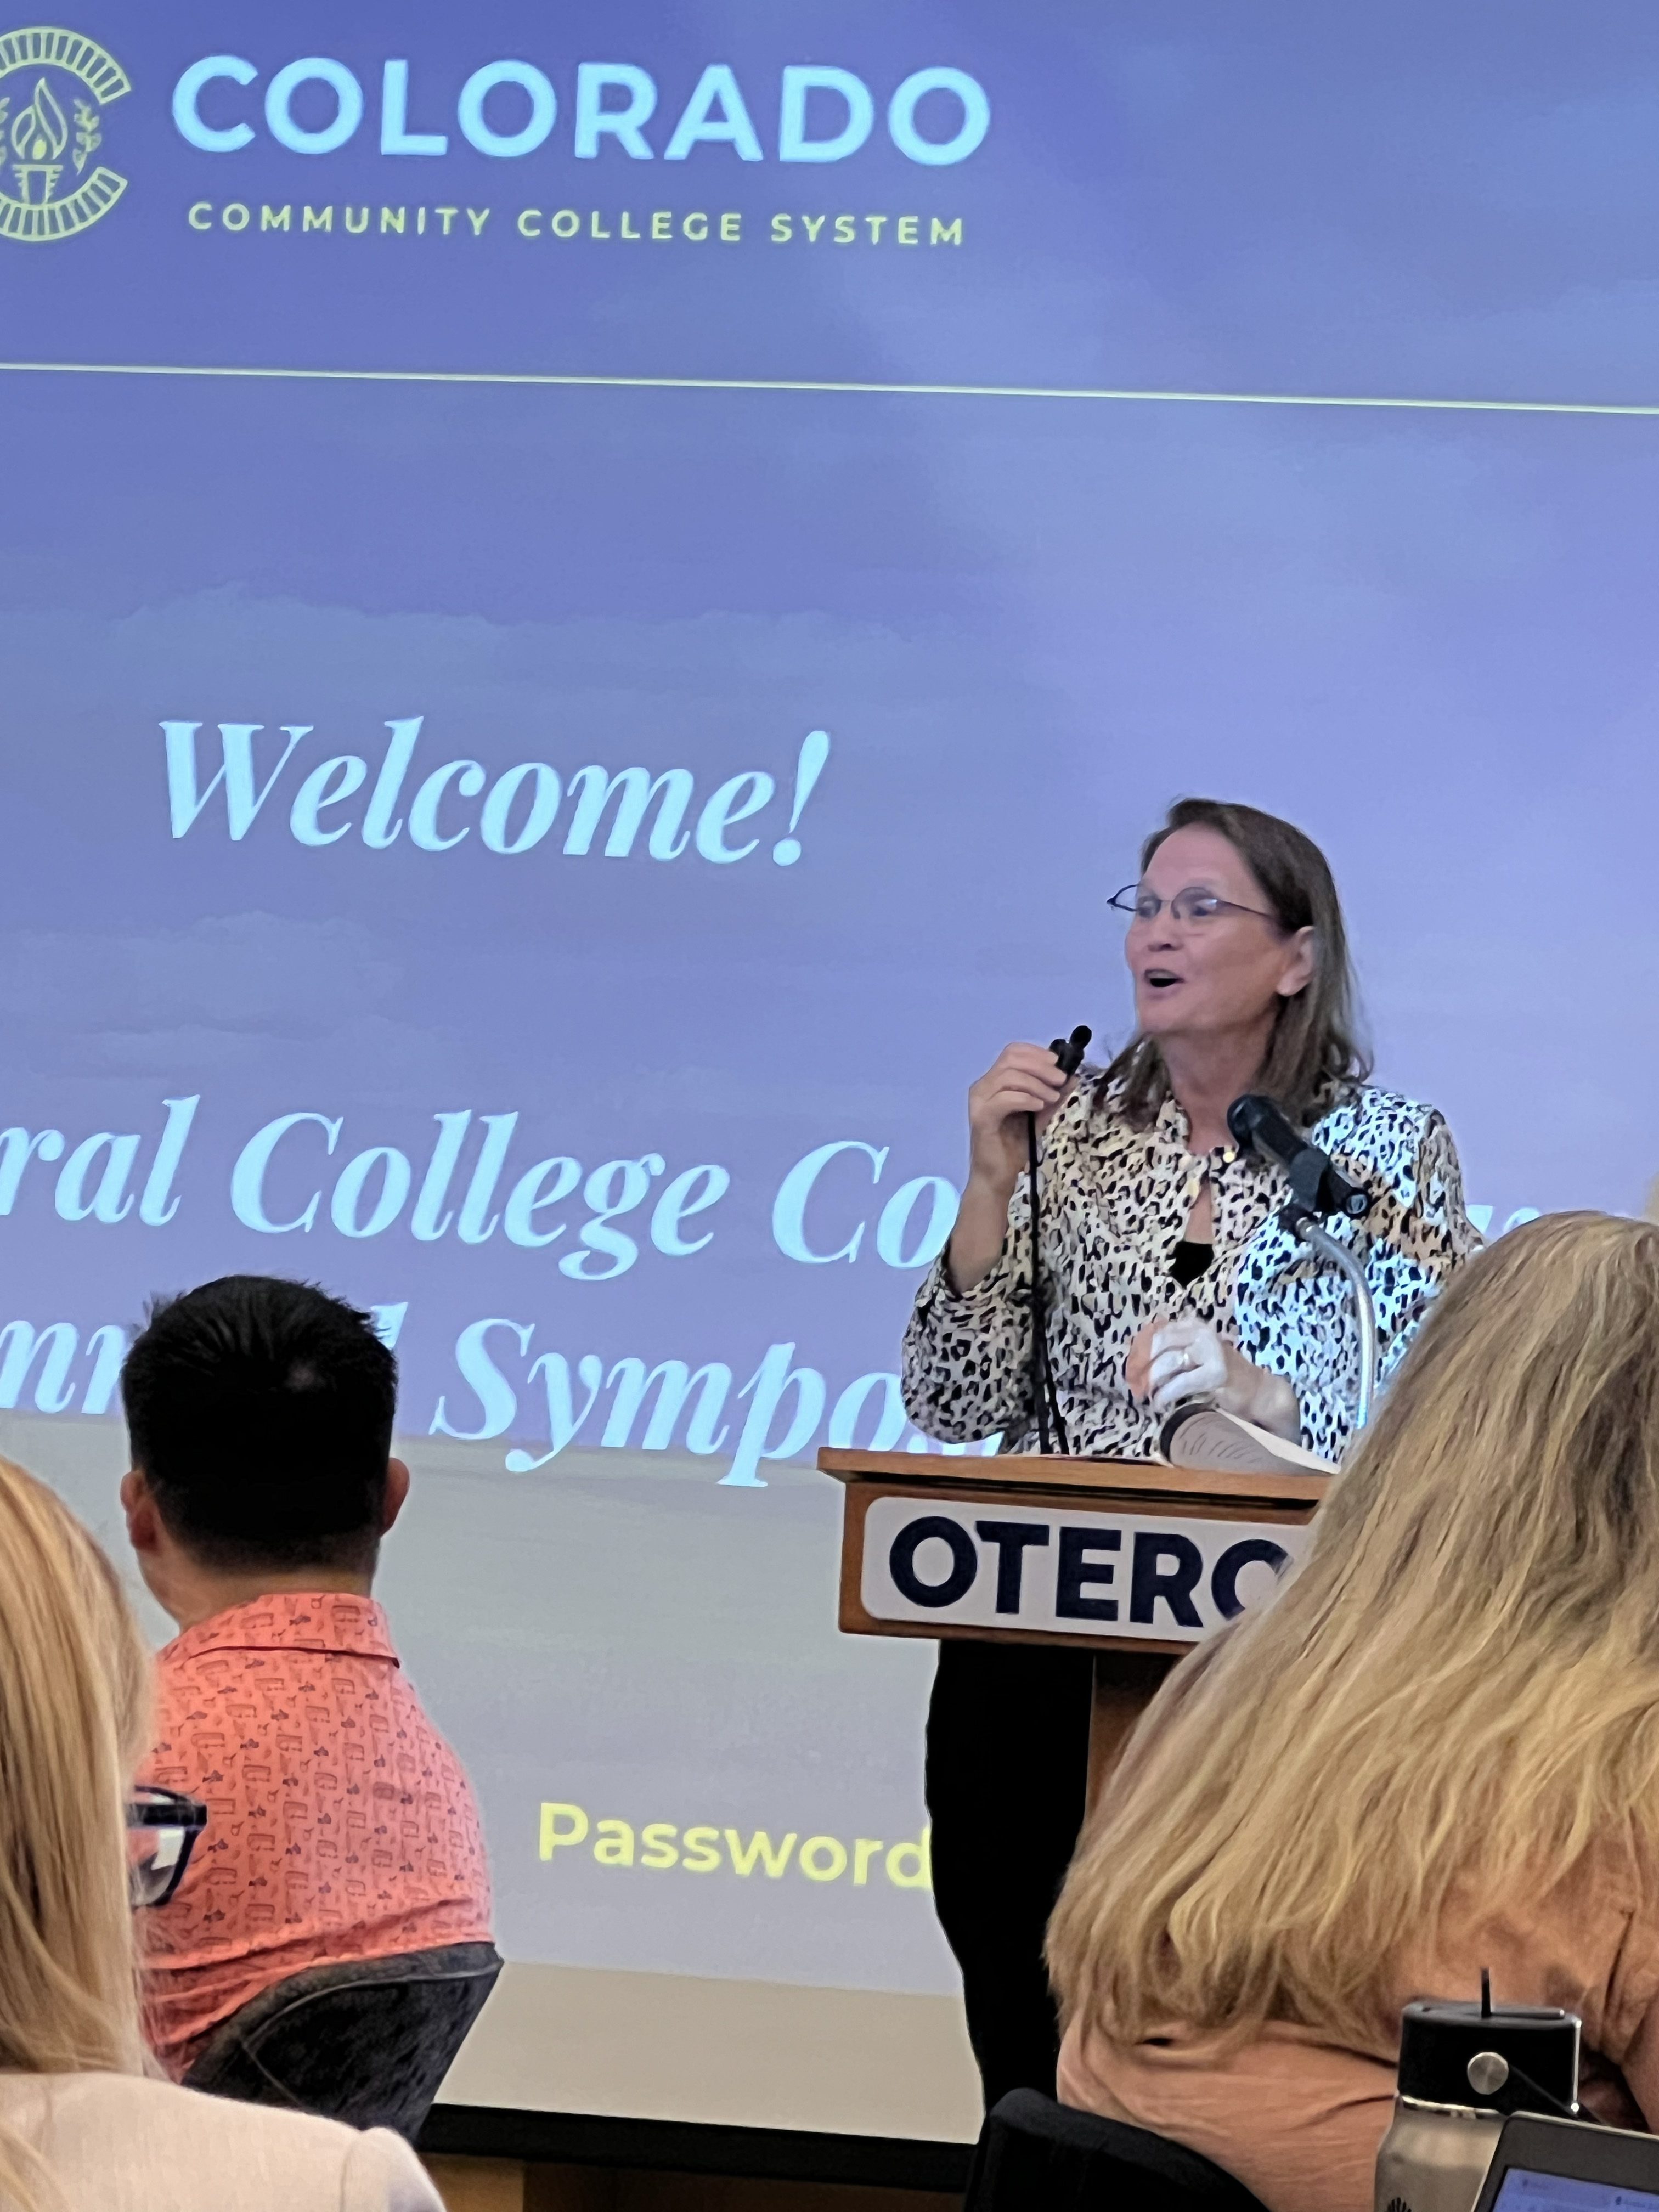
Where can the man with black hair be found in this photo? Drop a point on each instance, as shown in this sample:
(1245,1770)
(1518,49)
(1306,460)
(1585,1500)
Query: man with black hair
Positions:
(341,1825)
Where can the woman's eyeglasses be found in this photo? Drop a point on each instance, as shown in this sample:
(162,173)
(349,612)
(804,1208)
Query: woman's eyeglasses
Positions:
(1195,904)
(162,1831)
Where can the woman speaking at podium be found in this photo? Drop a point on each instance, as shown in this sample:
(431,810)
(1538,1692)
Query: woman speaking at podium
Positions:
(1170,1278)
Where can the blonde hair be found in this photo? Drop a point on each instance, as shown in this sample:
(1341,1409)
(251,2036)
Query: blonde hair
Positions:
(1460,1686)
(73,1710)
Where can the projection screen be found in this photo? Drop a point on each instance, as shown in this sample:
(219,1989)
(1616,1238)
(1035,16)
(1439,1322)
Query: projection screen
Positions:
(594,604)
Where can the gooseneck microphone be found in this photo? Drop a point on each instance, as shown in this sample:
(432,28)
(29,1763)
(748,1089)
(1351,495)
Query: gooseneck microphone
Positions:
(1045,1398)
(1258,1126)
(1317,1187)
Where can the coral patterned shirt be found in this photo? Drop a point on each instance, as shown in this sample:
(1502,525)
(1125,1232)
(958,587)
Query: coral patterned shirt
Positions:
(341,1825)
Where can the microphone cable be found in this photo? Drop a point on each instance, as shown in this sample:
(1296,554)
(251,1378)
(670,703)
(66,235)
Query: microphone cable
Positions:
(1045,1392)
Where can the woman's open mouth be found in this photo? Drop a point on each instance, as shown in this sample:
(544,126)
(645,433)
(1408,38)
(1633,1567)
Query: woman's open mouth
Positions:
(1160,979)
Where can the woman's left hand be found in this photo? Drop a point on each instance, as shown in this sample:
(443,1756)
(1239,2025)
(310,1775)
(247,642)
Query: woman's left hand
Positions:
(1171,1361)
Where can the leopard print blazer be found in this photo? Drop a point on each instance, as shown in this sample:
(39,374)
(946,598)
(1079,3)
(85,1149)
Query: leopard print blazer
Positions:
(1115,1202)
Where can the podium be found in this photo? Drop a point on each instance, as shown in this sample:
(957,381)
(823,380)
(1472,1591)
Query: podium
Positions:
(1134,1560)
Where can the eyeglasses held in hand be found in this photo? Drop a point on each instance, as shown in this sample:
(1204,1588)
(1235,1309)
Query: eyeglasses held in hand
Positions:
(162,1831)
(1195,904)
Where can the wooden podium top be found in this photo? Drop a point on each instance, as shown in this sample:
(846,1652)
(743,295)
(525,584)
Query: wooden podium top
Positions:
(925,1472)
(1120,1555)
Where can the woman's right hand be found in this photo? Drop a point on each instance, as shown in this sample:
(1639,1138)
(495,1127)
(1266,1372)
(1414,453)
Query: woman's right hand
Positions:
(1025,1079)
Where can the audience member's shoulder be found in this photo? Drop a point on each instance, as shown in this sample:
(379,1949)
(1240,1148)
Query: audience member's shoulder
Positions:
(124,2144)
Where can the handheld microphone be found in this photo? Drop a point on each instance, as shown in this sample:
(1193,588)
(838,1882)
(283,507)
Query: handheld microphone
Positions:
(1258,1126)
(1069,1051)
(1045,1399)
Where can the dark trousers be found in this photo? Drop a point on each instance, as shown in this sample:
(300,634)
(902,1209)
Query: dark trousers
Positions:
(1007,1766)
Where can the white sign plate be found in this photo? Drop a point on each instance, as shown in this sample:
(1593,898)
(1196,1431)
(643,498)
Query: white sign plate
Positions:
(1068,1570)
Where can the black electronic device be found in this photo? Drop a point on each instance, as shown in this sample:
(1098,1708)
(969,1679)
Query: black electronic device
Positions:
(1259,1125)
(1069,1051)
(1569,2166)
(1045,1399)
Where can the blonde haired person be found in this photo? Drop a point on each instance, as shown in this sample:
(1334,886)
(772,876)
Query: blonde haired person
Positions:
(1438,1750)
(82,2122)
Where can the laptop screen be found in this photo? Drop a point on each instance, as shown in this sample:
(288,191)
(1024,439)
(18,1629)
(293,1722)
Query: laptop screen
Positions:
(1524,2191)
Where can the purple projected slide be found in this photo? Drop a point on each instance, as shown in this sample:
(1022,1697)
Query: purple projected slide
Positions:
(631,587)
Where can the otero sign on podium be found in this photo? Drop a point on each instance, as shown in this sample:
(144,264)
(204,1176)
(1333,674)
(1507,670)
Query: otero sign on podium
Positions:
(1064,1569)
(1126,1556)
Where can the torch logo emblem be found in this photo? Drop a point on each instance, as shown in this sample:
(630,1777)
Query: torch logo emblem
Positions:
(54,87)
